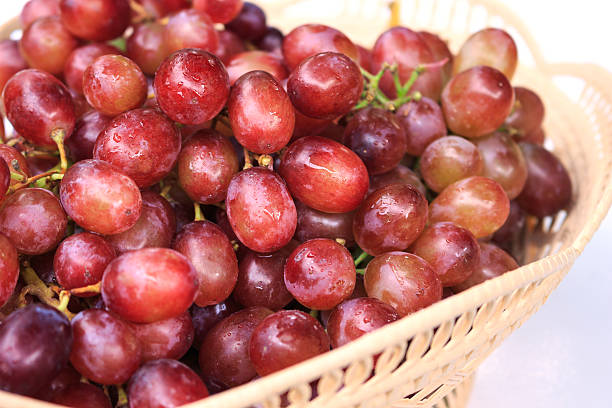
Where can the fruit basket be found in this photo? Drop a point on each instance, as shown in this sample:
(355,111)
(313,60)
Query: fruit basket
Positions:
(427,359)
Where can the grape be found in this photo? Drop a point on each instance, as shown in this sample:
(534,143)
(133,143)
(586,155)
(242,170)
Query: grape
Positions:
(35,9)
(224,354)
(261,210)
(82,57)
(404,281)
(5,178)
(36,104)
(310,39)
(16,162)
(146,46)
(161,8)
(105,349)
(548,188)
(96,20)
(286,338)
(190,28)
(81,259)
(503,162)
(324,174)
(256,60)
(355,317)
(527,113)
(491,47)
(154,229)
(494,262)
(390,219)
(35,343)
(377,138)
(191,86)
(82,395)
(67,377)
(398,175)
(365,59)
(170,338)
(477,101)
(272,41)
(358,292)
(307,126)
(144,143)
(510,233)
(149,285)
(46,45)
(477,204)
(34,221)
(11,61)
(449,159)
(316,224)
(423,123)
(320,274)
(535,137)
(86,132)
(408,50)
(9,269)
(452,251)
(229,45)
(206,165)
(100,198)
(165,383)
(250,23)
(205,318)
(220,11)
(214,260)
(325,85)
(81,106)
(260,113)
(439,49)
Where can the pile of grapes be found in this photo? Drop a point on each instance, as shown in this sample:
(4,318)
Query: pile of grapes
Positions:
(192,200)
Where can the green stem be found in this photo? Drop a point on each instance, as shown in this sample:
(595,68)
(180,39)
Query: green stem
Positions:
(17,176)
(198,212)
(361,257)
(58,136)
(361,271)
(314,313)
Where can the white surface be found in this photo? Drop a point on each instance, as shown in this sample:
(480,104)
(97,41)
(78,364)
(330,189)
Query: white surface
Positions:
(560,358)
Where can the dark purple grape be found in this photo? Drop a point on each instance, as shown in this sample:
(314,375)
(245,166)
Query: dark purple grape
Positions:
(509,235)
(82,395)
(494,262)
(316,224)
(86,132)
(250,23)
(399,175)
(272,41)
(229,45)
(205,318)
(423,123)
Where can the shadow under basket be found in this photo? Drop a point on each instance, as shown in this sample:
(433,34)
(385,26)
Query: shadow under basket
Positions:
(428,358)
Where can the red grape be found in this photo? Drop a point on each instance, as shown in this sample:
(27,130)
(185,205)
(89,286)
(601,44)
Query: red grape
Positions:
(35,9)
(161,8)
(190,28)
(535,137)
(307,126)
(191,86)
(477,101)
(100,198)
(105,349)
(324,174)
(224,354)
(325,85)
(250,23)
(214,260)
(80,59)
(365,58)
(272,41)
(5,178)
(261,210)
(82,395)
(390,219)
(205,318)
(9,269)
(439,49)
(316,224)
(170,338)
(491,47)
(260,113)
(146,46)
(96,20)
(527,113)
(220,11)
(423,123)
(404,281)
(67,377)
(399,175)
(229,45)
(478,204)
(244,62)
(286,338)
(494,262)
(86,132)
(11,60)
(16,162)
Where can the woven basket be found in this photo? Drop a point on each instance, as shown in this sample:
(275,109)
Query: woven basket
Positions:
(428,358)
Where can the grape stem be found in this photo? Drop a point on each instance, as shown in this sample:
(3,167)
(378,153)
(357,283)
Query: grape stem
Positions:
(361,271)
(58,136)
(36,287)
(95,288)
(361,258)
(265,160)
(17,176)
(314,313)
(122,399)
(198,212)
(247,159)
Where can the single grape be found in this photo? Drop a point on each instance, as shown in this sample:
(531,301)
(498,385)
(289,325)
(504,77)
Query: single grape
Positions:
(423,123)
(494,262)
(190,28)
(224,354)
(9,269)
(477,101)
(312,224)
(46,45)
(404,281)
(536,137)
(35,9)
(36,104)
(452,252)
(81,106)
(5,178)
(229,45)
(161,8)
(358,292)
(491,47)
(310,39)
(509,235)
(377,138)
(399,175)
(82,57)
(325,85)
(205,318)
(260,113)
(477,204)
(169,338)
(261,210)
(220,11)
(548,188)
(11,60)
(96,20)
(67,377)
(527,113)
(439,49)
(250,23)
(212,255)
(82,395)
(353,318)
(35,343)
(390,219)
(86,132)
(81,259)
(146,46)
(105,349)
(307,126)
(324,174)
(191,86)
(100,198)
(256,60)
(165,383)
(286,338)
(272,41)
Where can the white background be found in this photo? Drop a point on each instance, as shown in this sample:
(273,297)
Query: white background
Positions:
(561,357)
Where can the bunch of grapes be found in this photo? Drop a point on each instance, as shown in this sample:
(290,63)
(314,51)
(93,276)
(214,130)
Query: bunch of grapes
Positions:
(192,199)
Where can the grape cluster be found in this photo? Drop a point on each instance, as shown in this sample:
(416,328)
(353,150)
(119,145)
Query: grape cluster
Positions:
(192,199)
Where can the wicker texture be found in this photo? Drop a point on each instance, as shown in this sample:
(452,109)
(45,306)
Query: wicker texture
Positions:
(428,358)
